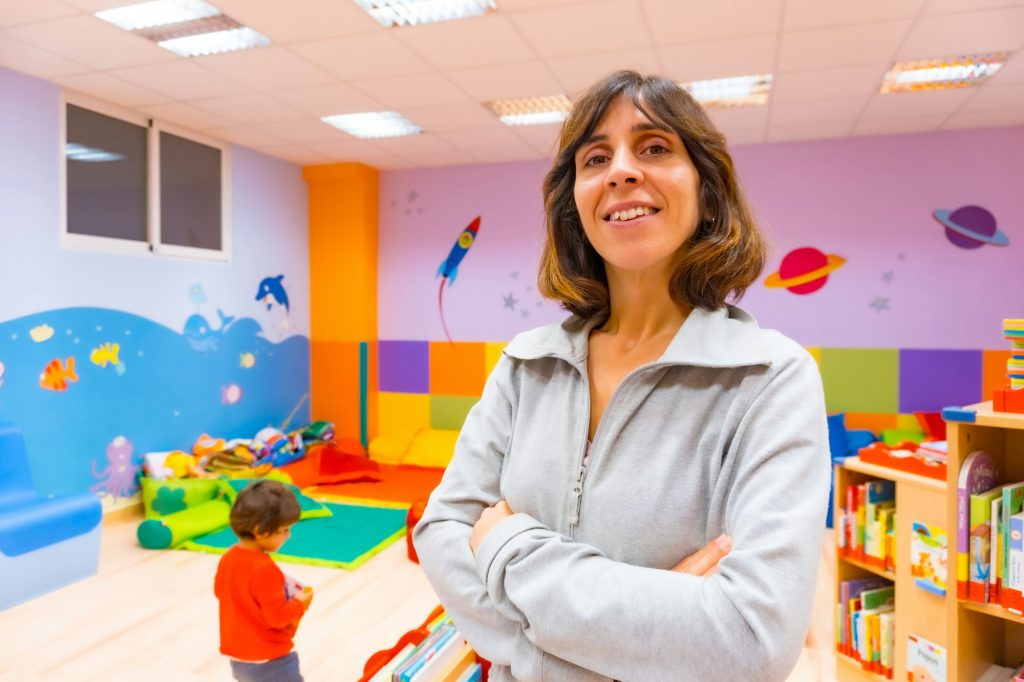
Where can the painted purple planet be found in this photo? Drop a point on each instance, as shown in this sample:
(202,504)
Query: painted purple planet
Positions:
(970,227)
(804,270)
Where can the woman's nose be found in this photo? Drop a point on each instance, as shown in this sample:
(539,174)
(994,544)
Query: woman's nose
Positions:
(623,169)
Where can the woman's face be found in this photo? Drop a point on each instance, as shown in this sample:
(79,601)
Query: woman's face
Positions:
(636,191)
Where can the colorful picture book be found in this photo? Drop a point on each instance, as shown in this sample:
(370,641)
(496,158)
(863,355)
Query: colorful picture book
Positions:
(926,660)
(980,547)
(977,474)
(928,556)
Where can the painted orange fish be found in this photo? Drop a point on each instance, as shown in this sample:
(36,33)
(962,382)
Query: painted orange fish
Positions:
(56,377)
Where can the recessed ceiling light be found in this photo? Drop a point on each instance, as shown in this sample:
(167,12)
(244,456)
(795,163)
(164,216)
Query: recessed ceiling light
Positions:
(373,124)
(80,152)
(942,74)
(412,12)
(531,110)
(157,13)
(190,28)
(731,92)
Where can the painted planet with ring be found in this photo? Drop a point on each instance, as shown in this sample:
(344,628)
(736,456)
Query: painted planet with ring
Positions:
(971,227)
(804,270)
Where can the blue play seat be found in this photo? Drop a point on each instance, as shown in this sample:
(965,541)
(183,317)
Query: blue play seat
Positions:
(45,542)
(843,443)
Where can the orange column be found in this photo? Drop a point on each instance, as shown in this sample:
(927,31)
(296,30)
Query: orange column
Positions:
(343,201)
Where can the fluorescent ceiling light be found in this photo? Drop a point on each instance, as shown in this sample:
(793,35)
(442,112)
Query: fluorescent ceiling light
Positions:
(532,110)
(731,92)
(942,74)
(80,152)
(373,124)
(214,43)
(412,12)
(157,13)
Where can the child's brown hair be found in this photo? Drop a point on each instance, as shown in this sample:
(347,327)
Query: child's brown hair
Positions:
(264,507)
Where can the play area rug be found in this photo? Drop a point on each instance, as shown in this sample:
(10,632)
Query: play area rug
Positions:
(346,539)
(399,484)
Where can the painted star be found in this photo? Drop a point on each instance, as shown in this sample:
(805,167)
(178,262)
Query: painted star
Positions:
(887,276)
(514,275)
(412,196)
(510,302)
(879,304)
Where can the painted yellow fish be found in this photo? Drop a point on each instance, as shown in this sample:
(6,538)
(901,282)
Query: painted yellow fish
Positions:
(247,360)
(105,354)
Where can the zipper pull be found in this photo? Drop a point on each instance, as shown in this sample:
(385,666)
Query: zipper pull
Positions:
(577,496)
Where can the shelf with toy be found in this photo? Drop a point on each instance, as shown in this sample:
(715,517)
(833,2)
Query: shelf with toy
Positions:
(913,458)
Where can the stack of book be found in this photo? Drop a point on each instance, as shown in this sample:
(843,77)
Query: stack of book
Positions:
(865,527)
(865,630)
(443,656)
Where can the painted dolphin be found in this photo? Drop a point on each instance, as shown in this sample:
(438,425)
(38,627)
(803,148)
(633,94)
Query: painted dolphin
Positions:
(271,286)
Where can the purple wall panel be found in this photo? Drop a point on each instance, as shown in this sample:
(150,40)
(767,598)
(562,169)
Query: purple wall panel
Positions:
(404,366)
(933,379)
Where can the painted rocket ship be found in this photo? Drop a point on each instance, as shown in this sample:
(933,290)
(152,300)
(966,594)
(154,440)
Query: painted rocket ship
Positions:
(449,267)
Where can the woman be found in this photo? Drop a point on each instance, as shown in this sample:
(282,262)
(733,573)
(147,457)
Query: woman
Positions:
(655,424)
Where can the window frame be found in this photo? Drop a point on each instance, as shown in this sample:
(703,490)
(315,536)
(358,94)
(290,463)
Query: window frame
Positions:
(152,245)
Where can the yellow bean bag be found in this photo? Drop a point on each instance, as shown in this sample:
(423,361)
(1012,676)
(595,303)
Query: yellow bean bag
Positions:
(431,448)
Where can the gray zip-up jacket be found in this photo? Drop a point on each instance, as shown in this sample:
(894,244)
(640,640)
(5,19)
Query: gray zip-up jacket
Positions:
(725,433)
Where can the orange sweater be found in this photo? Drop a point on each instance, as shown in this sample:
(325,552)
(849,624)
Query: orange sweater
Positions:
(257,621)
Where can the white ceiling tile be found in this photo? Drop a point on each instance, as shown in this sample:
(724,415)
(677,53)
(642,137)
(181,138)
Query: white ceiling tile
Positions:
(111,89)
(482,139)
(947,6)
(373,55)
(1012,71)
(844,110)
(597,26)
(794,86)
(841,46)
(526,79)
(424,90)
(347,147)
(991,97)
(745,136)
(454,157)
(326,100)
(580,72)
(900,125)
(389,162)
(923,103)
(300,20)
(524,5)
(948,35)
(91,41)
(182,79)
(249,109)
(815,13)
(423,143)
(92,6)
(184,115)
(468,116)
(245,136)
(985,119)
(303,132)
(728,118)
(502,154)
(789,133)
(29,59)
(296,154)
(481,41)
(719,58)
(16,12)
(543,138)
(266,68)
(673,21)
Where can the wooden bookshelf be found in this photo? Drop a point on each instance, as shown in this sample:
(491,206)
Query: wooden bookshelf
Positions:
(917,611)
(982,634)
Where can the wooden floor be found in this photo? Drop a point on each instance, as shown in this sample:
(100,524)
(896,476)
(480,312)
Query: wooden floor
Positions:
(151,616)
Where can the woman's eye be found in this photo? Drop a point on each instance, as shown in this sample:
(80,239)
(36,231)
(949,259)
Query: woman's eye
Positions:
(595,160)
(657,149)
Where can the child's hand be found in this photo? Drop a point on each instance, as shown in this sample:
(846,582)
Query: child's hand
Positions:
(305,597)
(704,562)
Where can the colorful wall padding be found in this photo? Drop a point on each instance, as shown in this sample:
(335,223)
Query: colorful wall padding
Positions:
(435,384)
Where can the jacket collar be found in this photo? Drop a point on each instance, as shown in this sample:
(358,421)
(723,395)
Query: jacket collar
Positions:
(724,337)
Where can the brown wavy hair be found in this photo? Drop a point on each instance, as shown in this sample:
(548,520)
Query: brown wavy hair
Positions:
(264,506)
(724,255)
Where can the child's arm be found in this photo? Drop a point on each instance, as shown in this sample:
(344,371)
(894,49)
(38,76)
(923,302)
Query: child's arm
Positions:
(277,609)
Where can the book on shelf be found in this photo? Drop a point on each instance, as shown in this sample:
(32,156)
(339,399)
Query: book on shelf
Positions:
(1013,502)
(928,557)
(850,593)
(978,588)
(926,660)
(977,474)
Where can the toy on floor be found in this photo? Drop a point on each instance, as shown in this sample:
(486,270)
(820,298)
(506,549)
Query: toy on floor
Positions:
(1011,397)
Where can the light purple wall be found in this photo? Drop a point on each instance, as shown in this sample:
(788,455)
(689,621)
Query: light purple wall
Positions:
(867,199)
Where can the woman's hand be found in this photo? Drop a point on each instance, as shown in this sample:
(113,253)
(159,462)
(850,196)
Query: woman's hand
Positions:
(704,562)
(488,519)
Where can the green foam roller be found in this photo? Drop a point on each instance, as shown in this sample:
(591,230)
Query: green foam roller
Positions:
(188,524)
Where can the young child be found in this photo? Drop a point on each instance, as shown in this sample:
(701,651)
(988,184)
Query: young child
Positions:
(258,619)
